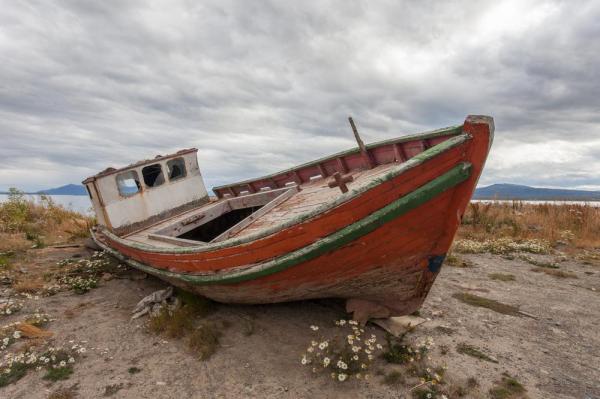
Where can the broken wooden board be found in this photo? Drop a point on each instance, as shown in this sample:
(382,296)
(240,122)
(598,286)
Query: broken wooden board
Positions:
(399,325)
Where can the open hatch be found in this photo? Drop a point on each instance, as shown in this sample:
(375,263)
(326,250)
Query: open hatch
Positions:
(221,220)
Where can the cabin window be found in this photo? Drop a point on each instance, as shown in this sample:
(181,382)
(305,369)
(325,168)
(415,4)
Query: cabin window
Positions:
(128,183)
(153,175)
(176,169)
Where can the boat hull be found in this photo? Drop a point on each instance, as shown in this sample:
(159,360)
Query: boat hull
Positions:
(381,250)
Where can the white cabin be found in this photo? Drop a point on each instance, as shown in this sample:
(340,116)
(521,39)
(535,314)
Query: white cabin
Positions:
(138,195)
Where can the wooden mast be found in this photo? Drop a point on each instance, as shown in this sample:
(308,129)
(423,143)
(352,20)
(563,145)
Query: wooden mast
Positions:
(361,145)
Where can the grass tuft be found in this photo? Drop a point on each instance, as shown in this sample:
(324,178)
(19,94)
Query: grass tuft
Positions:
(59,373)
(17,371)
(479,301)
(454,261)
(472,351)
(204,340)
(576,226)
(394,378)
(501,277)
(507,388)
(63,393)
(173,323)
(554,272)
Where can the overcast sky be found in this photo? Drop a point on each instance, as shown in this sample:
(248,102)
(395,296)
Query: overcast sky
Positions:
(263,85)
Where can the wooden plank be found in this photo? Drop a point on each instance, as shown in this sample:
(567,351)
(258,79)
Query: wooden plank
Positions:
(250,219)
(181,242)
(257,199)
(199,217)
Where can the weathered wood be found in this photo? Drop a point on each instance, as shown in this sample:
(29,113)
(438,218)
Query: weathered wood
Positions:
(361,145)
(180,242)
(341,165)
(247,221)
(192,220)
(340,181)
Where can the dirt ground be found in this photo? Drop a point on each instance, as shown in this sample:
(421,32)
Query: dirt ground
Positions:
(553,349)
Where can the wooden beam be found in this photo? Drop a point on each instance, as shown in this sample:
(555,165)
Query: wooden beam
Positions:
(361,145)
(341,165)
(340,181)
(322,170)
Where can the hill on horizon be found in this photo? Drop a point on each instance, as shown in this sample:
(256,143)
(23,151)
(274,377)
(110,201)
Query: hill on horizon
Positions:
(69,189)
(507,191)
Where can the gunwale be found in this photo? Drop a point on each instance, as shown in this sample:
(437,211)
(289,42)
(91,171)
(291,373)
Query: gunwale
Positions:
(394,171)
(446,131)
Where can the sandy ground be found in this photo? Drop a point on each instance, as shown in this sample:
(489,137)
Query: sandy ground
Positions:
(555,355)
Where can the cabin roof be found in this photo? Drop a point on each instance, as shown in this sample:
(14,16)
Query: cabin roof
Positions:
(111,171)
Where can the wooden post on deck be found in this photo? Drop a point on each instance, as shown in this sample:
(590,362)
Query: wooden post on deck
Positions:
(363,149)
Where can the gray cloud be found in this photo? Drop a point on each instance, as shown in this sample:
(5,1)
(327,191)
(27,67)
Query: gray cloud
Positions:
(259,86)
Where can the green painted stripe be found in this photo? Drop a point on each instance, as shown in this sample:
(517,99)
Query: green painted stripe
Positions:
(418,197)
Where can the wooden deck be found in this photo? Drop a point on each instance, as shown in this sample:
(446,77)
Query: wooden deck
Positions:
(312,195)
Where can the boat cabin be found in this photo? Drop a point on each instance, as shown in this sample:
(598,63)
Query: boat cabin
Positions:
(135,196)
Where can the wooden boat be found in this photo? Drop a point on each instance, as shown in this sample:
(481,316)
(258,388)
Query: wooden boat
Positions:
(371,225)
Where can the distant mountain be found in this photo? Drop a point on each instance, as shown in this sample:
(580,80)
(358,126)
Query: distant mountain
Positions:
(69,189)
(518,192)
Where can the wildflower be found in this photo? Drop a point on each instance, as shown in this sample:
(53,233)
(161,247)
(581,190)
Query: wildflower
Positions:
(342,377)
(355,357)
(17,334)
(304,360)
(342,322)
(353,322)
(63,363)
(326,361)
(71,360)
(82,350)
(342,365)
(314,328)
(310,349)
(356,349)
(363,366)
(314,343)
(323,345)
